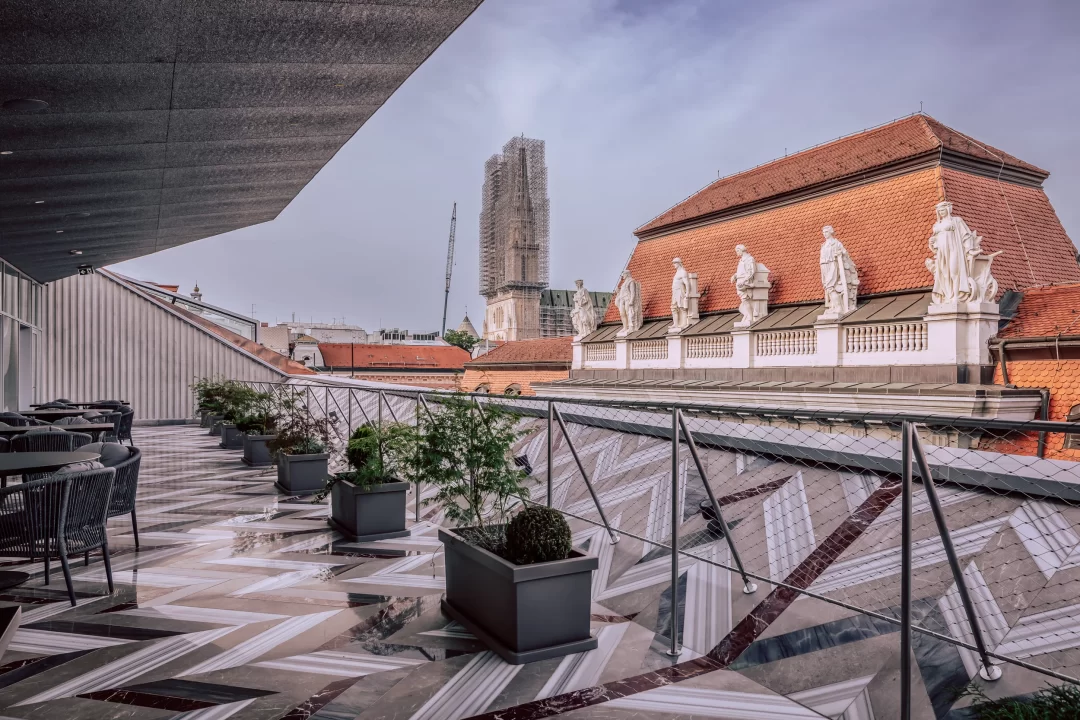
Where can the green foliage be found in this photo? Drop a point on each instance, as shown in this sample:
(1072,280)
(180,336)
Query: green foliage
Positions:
(375,453)
(231,399)
(260,417)
(209,395)
(537,534)
(462,339)
(465,454)
(298,431)
(1060,702)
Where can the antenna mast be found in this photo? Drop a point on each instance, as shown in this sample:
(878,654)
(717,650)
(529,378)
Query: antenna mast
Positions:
(449,267)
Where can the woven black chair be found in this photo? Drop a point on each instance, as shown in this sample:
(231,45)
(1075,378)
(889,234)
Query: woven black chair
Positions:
(127,419)
(83,514)
(126,462)
(3,444)
(62,400)
(58,441)
(55,405)
(108,416)
(30,518)
(106,405)
(15,419)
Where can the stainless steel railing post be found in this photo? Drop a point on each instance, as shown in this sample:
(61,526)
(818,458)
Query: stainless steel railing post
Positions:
(588,483)
(988,671)
(749,586)
(673,651)
(905,573)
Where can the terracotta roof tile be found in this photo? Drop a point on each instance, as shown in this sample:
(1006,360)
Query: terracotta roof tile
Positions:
(849,156)
(1044,311)
(420,357)
(517,352)
(884,225)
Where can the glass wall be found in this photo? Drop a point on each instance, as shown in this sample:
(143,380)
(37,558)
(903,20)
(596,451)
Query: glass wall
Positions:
(20,323)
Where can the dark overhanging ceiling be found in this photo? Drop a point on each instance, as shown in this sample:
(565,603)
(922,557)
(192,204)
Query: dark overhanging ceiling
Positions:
(174,120)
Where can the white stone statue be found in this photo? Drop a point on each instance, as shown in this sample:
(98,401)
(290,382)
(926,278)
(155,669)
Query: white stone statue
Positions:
(680,298)
(583,313)
(839,276)
(961,271)
(751,281)
(628,302)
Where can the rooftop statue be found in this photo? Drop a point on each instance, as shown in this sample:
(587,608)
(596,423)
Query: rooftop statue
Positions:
(752,286)
(961,271)
(628,302)
(839,276)
(583,313)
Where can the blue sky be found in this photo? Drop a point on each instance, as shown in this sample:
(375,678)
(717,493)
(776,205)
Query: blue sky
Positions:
(641,104)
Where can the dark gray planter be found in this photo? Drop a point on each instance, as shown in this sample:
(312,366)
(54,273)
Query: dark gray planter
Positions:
(214,423)
(301,474)
(204,419)
(256,454)
(231,437)
(364,514)
(524,613)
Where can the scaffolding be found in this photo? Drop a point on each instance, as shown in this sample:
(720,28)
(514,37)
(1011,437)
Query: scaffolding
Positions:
(514,216)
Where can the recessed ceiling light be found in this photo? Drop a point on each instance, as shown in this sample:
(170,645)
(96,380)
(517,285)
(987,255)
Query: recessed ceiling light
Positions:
(5,152)
(25,104)
(39,202)
(59,231)
(76,252)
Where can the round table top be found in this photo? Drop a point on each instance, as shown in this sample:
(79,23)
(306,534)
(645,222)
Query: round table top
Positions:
(58,412)
(31,462)
(88,428)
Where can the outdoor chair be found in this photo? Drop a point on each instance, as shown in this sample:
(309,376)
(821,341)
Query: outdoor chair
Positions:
(62,400)
(30,517)
(127,419)
(106,405)
(83,514)
(15,419)
(48,440)
(126,462)
(3,444)
(54,405)
(77,420)
(114,418)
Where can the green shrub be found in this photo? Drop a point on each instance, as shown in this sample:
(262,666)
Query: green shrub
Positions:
(1060,702)
(375,453)
(537,534)
(298,431)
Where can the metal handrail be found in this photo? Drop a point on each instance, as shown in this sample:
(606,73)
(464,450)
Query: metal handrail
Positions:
(588,483)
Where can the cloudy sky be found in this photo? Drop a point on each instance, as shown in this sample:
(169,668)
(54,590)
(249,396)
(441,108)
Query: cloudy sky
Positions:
(641,102)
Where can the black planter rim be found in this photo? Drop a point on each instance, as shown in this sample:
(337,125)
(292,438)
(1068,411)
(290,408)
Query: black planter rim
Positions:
(576,563)
(289,457)
(394,486)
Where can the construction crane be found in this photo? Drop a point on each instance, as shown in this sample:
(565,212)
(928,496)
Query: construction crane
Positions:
(449,267)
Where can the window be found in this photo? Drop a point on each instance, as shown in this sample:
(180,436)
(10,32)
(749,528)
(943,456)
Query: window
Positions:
(484,388)
(1072,440)
(512,390)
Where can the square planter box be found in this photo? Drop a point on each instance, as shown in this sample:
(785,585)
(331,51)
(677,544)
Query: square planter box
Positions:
(301,474)
(375,513)
(524,613)
(256,454)
(231,437)
(214,423)
(204,420)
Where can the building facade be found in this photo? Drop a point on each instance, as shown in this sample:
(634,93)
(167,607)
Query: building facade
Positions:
(861,274)
(429,366)
(513,367)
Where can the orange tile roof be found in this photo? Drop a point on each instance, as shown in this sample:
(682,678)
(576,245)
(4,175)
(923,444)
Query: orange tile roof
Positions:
(1044,311)
(420,357)
(904,139)
(1063,380)
(884,225)
(524,352)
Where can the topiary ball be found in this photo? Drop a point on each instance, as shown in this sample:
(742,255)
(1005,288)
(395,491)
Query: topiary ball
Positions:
(537,534)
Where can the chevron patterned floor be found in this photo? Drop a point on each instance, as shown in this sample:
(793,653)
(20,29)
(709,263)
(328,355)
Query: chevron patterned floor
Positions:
(242,604)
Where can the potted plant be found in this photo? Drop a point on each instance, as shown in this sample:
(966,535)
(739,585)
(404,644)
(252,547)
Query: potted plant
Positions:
(520,587)
(367,502)
(300,448)
(209,402)
(238,400)
(258,428)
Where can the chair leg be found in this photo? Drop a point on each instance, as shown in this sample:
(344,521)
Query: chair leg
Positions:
(135,528)
(108,565)
(86,559)
(67,577)
(45,559)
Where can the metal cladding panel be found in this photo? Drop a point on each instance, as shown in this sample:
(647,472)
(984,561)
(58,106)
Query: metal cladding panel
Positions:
(103,341)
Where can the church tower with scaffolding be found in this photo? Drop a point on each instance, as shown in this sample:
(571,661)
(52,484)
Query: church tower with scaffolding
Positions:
(514,240)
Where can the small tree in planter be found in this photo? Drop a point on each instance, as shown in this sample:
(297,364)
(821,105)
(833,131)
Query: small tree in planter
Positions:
(209,400)
(300,447)
(367,502)
(519,587)
(258,426)
(238,400)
